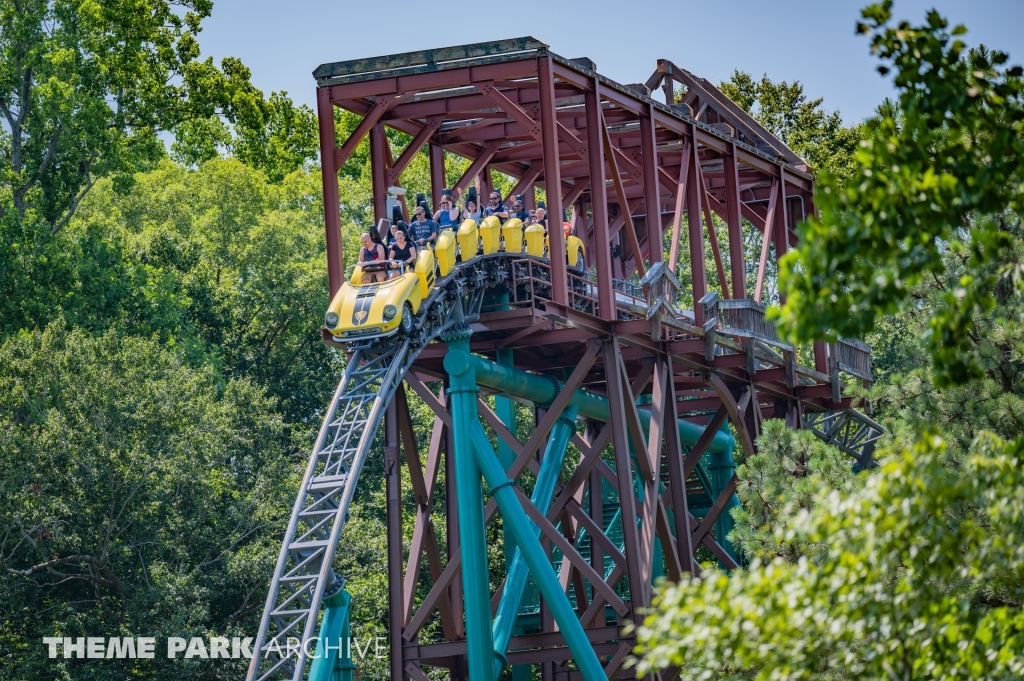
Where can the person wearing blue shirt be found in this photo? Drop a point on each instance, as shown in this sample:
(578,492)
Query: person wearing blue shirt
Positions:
(519,210)
(496,208)
(424,229)
(449,215)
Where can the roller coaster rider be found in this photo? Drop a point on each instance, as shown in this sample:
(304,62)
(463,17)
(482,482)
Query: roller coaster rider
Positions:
(403,250)
(449,215)
(472,210)
(423,228)
(496,208)
(373,258)
(519,210)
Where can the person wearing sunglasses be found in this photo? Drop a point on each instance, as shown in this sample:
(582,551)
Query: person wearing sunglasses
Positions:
(496,208)
(448,215)
(423,228)
(402,251)
(519,210)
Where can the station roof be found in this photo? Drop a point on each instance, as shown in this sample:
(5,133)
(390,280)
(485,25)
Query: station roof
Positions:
(701,99)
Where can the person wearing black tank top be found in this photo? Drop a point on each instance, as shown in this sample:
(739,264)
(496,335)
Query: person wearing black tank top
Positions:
(403,250)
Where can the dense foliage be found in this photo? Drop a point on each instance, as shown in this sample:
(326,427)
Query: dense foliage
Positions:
(915,569)
(161,374)
(890,598)
(816,135)
(953,155)
(139,494)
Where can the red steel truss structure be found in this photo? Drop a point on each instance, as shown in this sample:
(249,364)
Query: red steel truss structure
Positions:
(642,178)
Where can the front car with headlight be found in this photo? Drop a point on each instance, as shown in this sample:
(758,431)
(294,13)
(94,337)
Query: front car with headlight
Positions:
(371,310)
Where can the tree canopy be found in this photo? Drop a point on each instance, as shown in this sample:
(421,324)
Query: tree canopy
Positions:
(816,135)
(915,569)
(953,157)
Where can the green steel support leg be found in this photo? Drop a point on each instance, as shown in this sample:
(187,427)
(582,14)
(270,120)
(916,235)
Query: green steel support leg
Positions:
(543,491)
(506,410)
(541,389)
(518,525)
(472,532)
(333,658)
(721,466)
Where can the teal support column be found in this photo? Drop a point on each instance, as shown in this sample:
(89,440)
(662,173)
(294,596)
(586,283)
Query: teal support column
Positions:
(505,408)
(462,393)
(333,658)
(520,530)
(543,491)
(721,466)
(518,525)
(541,389)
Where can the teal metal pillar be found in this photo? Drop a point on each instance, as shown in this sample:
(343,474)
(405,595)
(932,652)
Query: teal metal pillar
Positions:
(506,409)
(517,527)
(462,394)
(543,491)
(541,389)
(721,466)
(333,658)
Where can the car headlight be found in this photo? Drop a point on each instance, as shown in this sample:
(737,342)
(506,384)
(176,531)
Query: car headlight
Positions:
(332,319)
(390,311)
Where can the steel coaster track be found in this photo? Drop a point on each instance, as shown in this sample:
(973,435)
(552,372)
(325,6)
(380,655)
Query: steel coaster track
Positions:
(303,574)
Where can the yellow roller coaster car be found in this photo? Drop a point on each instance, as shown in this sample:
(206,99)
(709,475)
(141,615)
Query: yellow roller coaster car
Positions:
(380,309)
(575,253)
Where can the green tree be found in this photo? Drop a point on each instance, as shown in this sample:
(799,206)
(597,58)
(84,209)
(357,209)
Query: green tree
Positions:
(912,398)
(891,598)
(917,570)
(235,264)
(84,87)
(272,135)
(786,475)
(283,139)
(954,155)
(818,136)
(140,496)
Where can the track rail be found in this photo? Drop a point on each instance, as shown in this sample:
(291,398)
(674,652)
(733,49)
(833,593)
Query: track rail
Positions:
(303,576)
(303,573)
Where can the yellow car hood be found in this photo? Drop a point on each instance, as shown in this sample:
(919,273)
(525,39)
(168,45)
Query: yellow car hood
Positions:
(361,308)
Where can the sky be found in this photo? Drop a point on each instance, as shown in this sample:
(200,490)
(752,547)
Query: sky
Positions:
(812,41)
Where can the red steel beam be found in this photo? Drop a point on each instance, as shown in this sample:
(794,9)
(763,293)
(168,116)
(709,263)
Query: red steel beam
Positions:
(552,178)
(434,80)
(732,210)
(713,236)
(782,219)
(574,192)
(332,205)
(634,244)
(395,171)
(765,241)
(476,166)
(673,257)
(511,108)
(696,236)
(369,120)
(378,169)
(601,254)
(438,178)
(525,184)
(652,194)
